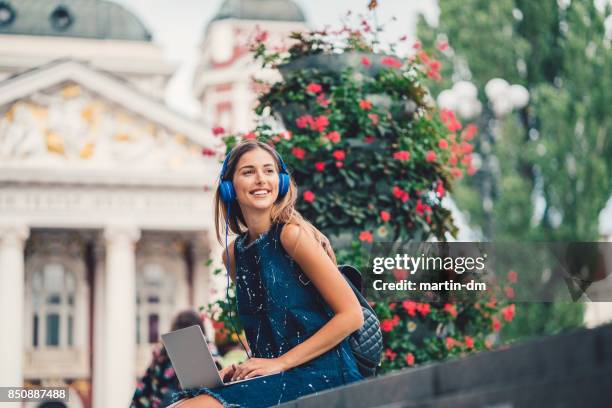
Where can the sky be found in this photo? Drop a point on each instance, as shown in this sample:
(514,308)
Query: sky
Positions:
(178,26)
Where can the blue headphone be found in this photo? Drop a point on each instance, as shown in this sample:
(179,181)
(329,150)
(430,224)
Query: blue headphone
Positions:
(226,187)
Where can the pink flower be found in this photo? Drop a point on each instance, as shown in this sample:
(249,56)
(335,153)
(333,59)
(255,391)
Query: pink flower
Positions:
(423,309)
(385,216)
(391,62)
(365,104)
(374,118)
(495,324)
(309,196)
(322,100)
(286,135)
(416,45)
(512,276)
(339,164)
(169,372)
(298,152)
(339,155)
(451,309)
(320,166)
(304,121)
(509,292)
(508,312)
(333,136)
(469,132)
(365,236)
(410,307)
(402,155)
(320,123)
(218,130)
(430,156)
(365,61)
(443,144)
(450,343)
(314,88)
(261,36)
(409,359)
(455,172)
(442,46)
(469,342)
(389,354)
(249,136)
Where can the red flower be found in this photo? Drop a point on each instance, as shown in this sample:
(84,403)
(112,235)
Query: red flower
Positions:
(365,61)
(433,74)
(249,136)
(320,123)
(451,309)
(339,154)
(443,144)
(314,88)
(423,309)
(365,236)
(495,324)
(208,152)
(322,100)
(430,156)
(304,121)
(416,45)
(334,136)
(309,196)
(391,62)
(298,152)
(365,104)
(409,359)
(455,172)
(450,343)
(389,354)
(442,45)
(440,189)
(420,207)
(369,139)
(512,276)
(218,130)
(508,312)
(261,36)
(402,155)
(469,342)
(385,216)
(386,325)
(471,170)
(452,160)
(509,292)
(435,65)
(410,307)
(469,132)
(374,118)
(320,166)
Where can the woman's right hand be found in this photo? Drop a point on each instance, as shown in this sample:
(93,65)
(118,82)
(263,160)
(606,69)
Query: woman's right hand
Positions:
(227,373)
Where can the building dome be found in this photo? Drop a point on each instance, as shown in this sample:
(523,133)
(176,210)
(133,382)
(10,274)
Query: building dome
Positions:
(270,10)
(71,18)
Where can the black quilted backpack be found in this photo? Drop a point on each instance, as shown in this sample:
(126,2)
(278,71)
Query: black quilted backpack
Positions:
(366,343)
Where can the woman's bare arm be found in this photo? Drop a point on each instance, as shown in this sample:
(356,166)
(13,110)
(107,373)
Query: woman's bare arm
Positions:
(324,274)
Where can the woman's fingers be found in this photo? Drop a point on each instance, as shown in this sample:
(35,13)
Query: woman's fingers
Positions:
(255,373)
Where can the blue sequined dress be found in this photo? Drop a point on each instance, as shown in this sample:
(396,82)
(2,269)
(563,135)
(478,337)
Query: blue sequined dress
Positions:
(278,312)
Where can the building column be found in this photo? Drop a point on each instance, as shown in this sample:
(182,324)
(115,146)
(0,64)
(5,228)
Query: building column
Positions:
(12,278)
(120,310)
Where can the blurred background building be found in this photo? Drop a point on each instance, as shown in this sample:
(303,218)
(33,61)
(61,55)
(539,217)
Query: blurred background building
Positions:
(105,230)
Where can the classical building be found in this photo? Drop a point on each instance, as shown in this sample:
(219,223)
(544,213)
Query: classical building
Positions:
(223,80)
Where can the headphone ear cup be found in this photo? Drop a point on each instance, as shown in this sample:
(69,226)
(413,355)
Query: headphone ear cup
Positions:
(227,192)
(283,184)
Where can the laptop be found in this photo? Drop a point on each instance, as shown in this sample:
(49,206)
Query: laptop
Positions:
(192,361)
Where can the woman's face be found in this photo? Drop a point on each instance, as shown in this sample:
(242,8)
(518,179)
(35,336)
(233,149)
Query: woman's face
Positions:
(256,180)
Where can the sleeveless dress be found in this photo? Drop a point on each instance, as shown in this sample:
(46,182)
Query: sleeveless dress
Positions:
(278,312)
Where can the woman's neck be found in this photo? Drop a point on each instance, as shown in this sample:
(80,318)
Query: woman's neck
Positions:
(257,223)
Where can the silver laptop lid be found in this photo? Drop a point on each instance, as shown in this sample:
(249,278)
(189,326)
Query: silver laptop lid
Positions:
(192,361)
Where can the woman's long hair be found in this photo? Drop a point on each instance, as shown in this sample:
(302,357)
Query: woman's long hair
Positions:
(283,210)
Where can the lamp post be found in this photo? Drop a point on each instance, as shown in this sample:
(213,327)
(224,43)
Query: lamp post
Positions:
(502,98)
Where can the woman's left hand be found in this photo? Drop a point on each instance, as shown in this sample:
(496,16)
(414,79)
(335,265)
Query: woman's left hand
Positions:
(254,367)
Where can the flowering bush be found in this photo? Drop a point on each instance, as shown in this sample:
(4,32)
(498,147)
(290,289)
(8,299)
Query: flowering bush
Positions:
(373,159)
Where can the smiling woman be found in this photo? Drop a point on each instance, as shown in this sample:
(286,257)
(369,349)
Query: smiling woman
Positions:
(296,308)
